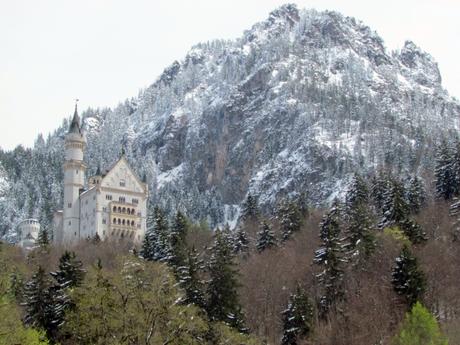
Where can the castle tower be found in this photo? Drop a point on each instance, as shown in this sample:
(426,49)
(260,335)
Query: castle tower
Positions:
(74,177)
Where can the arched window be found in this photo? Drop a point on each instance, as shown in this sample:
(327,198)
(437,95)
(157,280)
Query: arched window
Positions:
(119,221)
(123,222)
(132,211)
(114,220)
(114,209)
(132,223)
(124,210)
(128,210)
(119,209)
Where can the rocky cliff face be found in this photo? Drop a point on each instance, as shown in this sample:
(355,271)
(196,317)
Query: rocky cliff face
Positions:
(298,103)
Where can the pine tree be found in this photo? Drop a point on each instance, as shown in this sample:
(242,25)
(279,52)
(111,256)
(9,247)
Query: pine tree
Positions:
(416,195)
(395,208)
(190,282)
(265,237)
(43,239)
(444,172)
(222,289)
(240,242)
(250,210)
(297,318)
(408,280)
(454,211)
(70,273)
(413,231)
(45,304)
(178,242)
(358,192)
(330,256)
(379,186)
(156,243)
(290,219)
(360,240)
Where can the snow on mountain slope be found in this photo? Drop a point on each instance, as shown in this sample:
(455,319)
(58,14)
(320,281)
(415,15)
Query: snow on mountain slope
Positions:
(298,103)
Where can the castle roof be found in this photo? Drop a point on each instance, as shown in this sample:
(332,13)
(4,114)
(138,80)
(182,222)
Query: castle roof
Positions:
(75,125)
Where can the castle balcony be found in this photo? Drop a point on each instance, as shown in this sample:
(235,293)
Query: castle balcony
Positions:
(125,209)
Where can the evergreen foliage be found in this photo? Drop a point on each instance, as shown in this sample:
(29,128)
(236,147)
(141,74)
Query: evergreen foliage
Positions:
(413,231)
(265,237)
(222,288)
(250,208)
(359,221)
(379,185)
(44,304)
(240,242)
(190,281)
(297,318)
(70,273)
(330,256)
(444,172)
(156,244)
(178,242)
(419,328)
(416,194)
(407,278)
(395,207)
(43,238)
(290,219)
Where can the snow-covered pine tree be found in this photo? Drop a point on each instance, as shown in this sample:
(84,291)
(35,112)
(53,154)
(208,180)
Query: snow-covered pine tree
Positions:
(250,209)
(222,288)
(379,185)
(331,257)
(44,304)
(359,239)
(240,242)
(147,250)
(178,242)
(444,172)
(416,194)
(413,231)
(190,281)
(454,211)
(70,271)
(290,219)
(160,245)
(395,208)
(407,278)
(357,193)
(265,237)
(297,318)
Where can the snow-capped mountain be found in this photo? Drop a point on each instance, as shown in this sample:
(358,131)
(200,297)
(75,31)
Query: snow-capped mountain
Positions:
(298,103)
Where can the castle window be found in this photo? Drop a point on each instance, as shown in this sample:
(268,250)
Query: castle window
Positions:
(128,210)
(76,171)
(123,222)
(104,221)
(69,205)
(114,220)
(132,211)
(135,201)
(104,209)
(124,210)
(122,183)
(119,221)
(70,222)
(114,209)
(108,197)
(121,199)
(132,223)
(119,209)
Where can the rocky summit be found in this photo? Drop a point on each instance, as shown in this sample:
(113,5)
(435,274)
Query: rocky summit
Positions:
(296,104)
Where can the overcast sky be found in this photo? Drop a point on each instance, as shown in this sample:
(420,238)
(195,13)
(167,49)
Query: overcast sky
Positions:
(104,51)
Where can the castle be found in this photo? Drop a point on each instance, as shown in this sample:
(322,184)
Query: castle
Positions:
(112,205)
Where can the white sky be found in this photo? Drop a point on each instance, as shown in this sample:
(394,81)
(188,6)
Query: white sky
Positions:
(104,51)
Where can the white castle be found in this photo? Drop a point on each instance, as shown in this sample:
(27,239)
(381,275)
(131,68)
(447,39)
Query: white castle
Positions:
(112,205)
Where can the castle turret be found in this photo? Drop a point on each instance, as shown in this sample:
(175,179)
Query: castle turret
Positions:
(74,177)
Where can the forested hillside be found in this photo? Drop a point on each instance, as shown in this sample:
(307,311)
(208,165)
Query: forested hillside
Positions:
(296,105)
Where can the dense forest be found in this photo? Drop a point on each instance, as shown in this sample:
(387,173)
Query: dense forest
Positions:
(377,267)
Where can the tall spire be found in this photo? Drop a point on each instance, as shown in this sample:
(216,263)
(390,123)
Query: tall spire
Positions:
(75,125)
